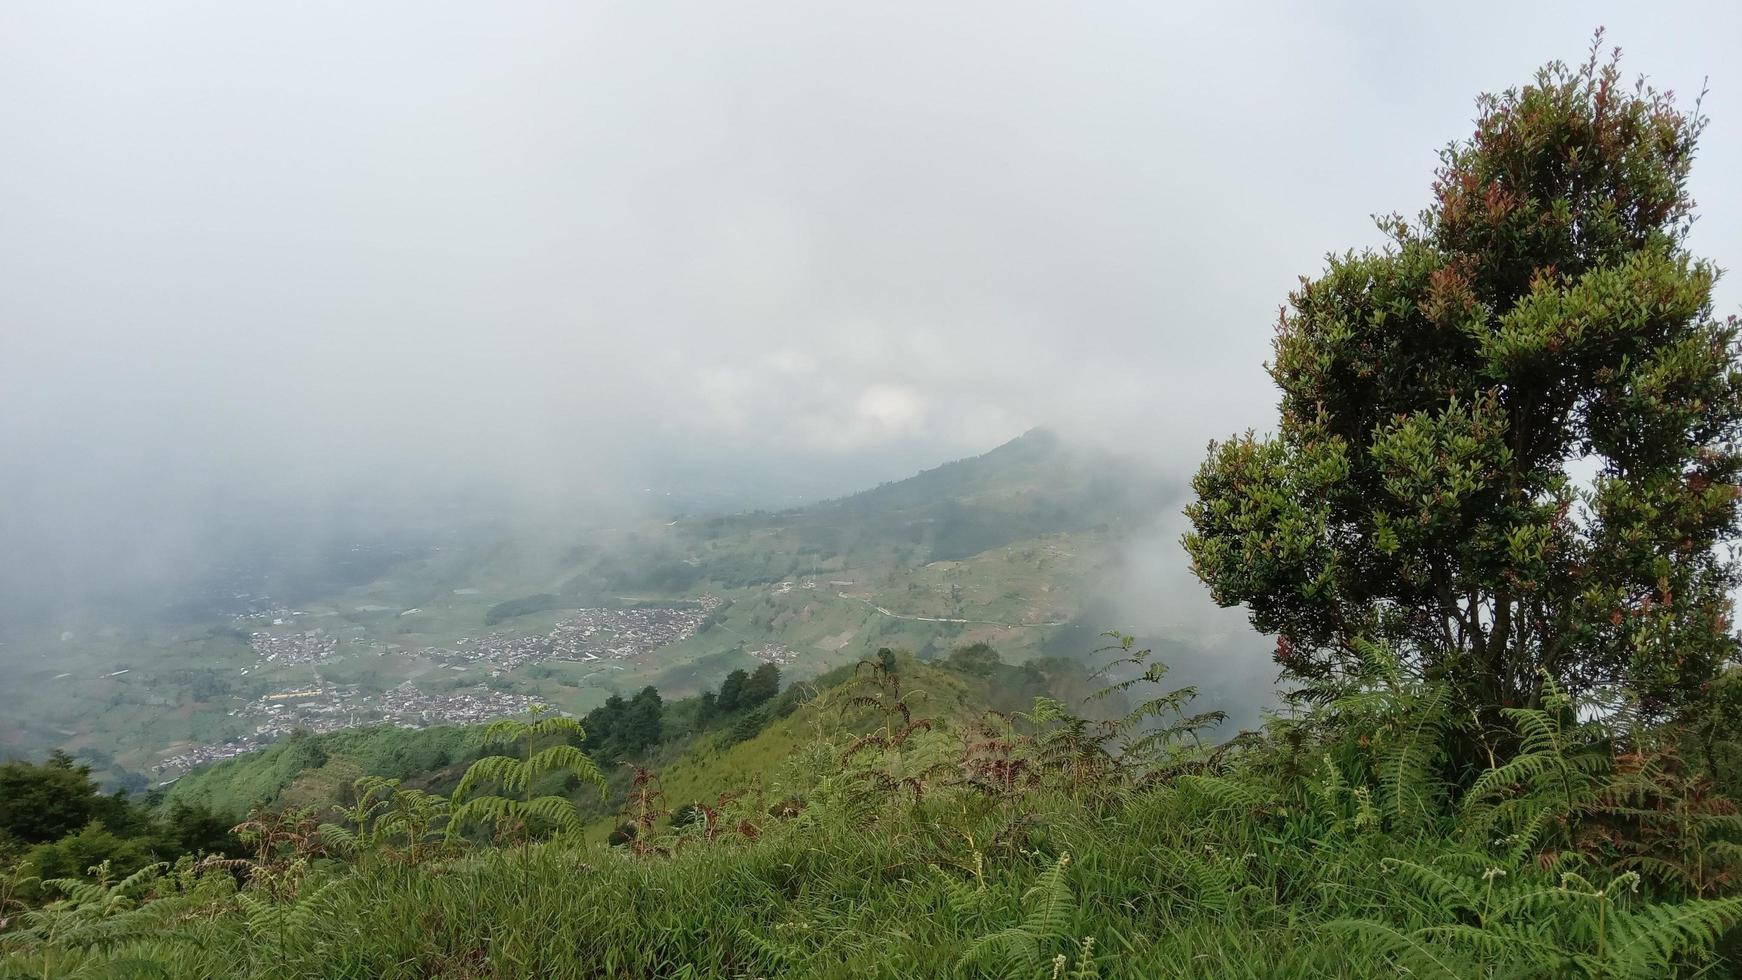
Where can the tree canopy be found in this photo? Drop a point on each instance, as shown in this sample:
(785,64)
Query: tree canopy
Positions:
(1541,318)
(40,803)
(764,683)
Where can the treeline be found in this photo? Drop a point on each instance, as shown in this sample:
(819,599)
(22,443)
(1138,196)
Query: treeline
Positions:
(624,727)
(55,822)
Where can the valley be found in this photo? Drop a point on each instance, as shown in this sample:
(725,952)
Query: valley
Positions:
(999,548)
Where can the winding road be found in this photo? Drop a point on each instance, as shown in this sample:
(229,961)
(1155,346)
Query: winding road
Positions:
(944,619)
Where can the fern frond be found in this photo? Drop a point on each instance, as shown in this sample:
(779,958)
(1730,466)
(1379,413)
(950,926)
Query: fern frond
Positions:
(1213,888)
(1227,791)
(1411,953)
(561,758)
(555,810)
(1443,891)
(1051,901)
(491,810)
(340,838)
(553,724)
(1654,937)
(1014,947)
(496,768)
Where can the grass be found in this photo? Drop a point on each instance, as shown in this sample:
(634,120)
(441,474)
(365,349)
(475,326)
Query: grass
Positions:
(1283,855)
(812,898)
(1172,883)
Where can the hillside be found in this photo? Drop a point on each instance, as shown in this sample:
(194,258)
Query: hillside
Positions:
(846,837)
(1490,543)
(696,758)
(1002,548)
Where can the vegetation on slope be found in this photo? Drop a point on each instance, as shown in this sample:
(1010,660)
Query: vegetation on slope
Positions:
(55,823)
(124,699)
(1512,738)
(1021,844)
(310,770)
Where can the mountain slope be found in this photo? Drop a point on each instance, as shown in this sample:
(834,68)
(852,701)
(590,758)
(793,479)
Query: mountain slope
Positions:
(996,548)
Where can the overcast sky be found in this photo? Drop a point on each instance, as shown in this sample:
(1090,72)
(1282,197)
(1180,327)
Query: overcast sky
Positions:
(332,245)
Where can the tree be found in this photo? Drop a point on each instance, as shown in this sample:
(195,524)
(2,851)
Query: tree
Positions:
(40,803)
(604,724)
(763,685)
(732,691)
(73,855)
(642,720)
(193,828)
(1542,311)
(976,659)
(749,726)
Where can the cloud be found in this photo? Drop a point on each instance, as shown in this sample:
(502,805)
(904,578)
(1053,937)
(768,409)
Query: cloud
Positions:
(318,250)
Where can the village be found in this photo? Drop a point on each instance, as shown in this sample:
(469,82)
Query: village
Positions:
(301,647)
(588,634)
(777,654)
(326,707)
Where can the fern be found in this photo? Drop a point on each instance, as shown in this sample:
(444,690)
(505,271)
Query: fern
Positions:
(1229,792)
(1048,906)
(1577,928)
(1156,723)
(1650,940)
(1532,801)
(1212,887)
(517,776)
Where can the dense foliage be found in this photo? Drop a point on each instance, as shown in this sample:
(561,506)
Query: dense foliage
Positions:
(307,769)
(56,823)
(911,842)
(1542,312)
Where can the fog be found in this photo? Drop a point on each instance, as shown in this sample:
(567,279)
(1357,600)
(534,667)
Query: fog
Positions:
(397,261)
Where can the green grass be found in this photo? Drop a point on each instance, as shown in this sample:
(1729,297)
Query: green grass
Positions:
(1172,882)
(1327,847)
(234,785)
(818,898)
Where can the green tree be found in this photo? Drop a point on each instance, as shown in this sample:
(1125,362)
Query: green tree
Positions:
(1542,311)
(763,685)
(976,659)
(749,726)
(732,691)
(643,720)
(193,828)
(40,803)
(604,723)
(76,853)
